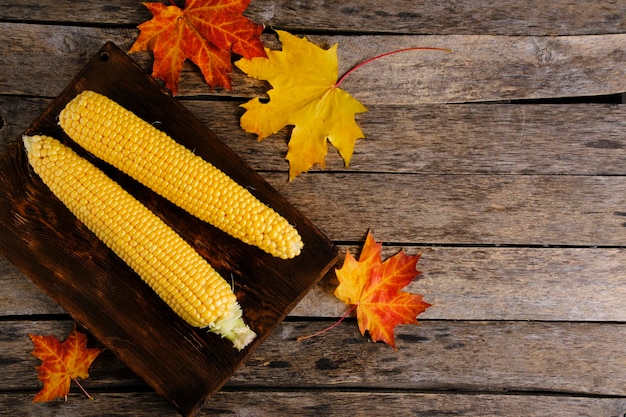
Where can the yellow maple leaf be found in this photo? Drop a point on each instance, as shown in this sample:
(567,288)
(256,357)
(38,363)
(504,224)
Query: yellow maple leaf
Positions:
(305,95)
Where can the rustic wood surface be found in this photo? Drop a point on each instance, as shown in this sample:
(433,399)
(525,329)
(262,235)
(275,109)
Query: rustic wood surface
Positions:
(479,68)
(502,163)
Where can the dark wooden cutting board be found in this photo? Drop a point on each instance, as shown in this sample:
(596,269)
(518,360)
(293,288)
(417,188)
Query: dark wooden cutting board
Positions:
(184,364)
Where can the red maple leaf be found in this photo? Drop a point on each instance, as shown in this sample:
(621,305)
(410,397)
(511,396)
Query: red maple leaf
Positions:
(374,288)
(204,31)
(62,363)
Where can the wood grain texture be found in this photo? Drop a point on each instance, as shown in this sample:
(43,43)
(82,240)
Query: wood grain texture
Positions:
(463,209)
(518,210)
(554,284)
(536,17)
(502,284)
(121,12)
(51,53)
(328,403)
(560,139)
(465,356)
(555,139)
(480,68)
(499,17)
(457,356)
(483,68)
(20,296)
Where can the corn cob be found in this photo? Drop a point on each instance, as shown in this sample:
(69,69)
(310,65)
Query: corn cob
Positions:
(172,268)
(134,146)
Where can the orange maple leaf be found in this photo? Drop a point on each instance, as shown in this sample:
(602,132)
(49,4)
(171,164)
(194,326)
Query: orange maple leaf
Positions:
(204,31)
(306,95)
(374,287)
(62,362)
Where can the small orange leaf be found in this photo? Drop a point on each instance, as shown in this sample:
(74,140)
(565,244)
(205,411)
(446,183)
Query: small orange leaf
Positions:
(62,362)
(206,32)
(375,288)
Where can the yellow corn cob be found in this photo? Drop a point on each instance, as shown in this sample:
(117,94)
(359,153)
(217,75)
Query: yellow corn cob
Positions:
(134,146)
(172,268)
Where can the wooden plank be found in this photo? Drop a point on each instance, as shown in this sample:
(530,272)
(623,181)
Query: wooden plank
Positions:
(20,296)
(481,68)
(55,250)
(463,209)
(106,372)
(326,403)
(453,139)
(583,358)
(437,138)
(552,284)
(406,403)
(460,356)
(51,53)
(16,114)
(502,284)
(121,12)
(533,17)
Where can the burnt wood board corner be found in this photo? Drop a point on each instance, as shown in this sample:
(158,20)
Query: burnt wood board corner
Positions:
(49,245)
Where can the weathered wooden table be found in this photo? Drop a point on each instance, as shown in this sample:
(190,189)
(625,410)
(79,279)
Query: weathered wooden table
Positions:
(502,163)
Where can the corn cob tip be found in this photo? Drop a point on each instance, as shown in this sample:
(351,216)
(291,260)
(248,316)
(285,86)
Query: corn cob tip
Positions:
(28,142)
(233,328)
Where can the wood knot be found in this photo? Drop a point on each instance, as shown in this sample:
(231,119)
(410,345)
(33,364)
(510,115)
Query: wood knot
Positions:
(544,57)
(326,364)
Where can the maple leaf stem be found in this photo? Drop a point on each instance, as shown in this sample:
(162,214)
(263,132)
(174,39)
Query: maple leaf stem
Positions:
(82,389)
(397,51)
(346,314)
